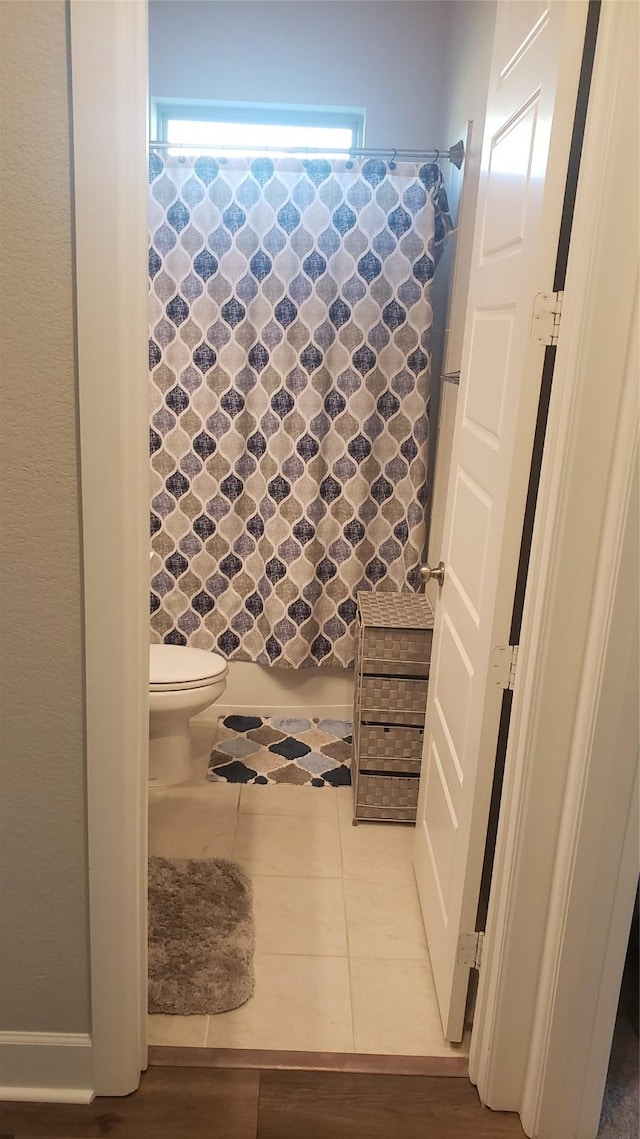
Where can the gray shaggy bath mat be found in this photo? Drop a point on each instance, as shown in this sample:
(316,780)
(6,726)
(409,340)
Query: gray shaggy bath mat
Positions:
(201,936)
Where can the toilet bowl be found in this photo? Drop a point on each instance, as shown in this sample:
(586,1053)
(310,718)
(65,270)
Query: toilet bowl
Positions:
(182,682)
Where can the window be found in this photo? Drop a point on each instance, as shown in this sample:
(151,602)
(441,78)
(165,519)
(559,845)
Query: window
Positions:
(249,128)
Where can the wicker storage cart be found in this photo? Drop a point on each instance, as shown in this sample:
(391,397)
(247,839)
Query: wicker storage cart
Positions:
(392,671)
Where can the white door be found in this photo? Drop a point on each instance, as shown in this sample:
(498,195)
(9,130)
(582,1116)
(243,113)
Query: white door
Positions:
(532,93)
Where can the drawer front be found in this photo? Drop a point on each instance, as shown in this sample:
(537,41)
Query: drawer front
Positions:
(389,700)
(386,815)
(385,795)
(394,743)
(396,652)
(390,766)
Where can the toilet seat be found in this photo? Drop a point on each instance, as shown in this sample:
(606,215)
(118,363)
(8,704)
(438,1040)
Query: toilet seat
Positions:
(174,668)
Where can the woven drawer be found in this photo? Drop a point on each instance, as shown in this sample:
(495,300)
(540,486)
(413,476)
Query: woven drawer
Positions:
(376,754)
(388,700)
(395,652)
(383,794)
(385,814)
(390,766)
(395,743)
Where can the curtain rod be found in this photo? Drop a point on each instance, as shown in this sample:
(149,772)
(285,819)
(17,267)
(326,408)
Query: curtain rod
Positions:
(455,153)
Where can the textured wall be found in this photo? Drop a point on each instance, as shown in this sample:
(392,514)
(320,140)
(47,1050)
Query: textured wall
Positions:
(385,56)
(43,872)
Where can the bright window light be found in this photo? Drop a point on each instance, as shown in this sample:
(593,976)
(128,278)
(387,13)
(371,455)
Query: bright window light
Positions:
(252,138)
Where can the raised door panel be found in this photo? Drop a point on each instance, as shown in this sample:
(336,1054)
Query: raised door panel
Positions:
(537,54)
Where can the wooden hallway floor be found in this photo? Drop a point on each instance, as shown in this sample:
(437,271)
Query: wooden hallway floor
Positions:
(205,1103)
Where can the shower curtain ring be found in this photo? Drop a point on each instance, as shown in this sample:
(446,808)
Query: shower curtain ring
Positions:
(392,160)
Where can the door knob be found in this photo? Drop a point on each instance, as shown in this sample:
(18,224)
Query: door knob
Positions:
(427,573)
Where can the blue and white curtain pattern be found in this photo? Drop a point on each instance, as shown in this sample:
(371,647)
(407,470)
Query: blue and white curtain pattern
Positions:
(290,321)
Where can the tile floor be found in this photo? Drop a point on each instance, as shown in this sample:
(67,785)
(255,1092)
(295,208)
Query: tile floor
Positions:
(341,960)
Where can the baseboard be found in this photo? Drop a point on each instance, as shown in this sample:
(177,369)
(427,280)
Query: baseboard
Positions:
(45,1095)
(269,1059)
(324,712)
(46,1067)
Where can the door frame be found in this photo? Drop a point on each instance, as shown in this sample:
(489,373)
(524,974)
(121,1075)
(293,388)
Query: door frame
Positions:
(109,105)
(108,45)
(475,613)
(557,935)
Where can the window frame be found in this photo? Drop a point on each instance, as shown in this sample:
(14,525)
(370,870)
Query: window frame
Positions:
(268,114)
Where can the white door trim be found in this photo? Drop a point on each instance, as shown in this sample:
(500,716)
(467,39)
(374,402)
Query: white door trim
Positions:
(567,854)
(108,44)
(109,91)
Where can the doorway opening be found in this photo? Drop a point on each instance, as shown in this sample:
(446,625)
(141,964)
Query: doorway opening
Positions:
(337,911)
(102,872)
(269,834)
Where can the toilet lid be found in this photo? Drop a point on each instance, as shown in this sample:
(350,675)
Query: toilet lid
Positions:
(175,666)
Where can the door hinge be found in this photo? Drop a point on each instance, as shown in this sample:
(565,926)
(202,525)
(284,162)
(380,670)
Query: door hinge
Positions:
(470,949)
(545,322)
(504,660)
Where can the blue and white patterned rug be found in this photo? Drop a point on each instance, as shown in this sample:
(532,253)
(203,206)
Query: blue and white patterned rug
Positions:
(254,749)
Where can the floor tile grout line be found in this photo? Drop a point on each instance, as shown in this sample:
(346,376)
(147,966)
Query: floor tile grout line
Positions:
(282,815)
(279,953)
(235,822)
(346,930)
(247,866)
(325,956)
(400,960)
(340,814)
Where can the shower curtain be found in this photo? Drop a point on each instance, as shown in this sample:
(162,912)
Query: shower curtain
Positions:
(290,317)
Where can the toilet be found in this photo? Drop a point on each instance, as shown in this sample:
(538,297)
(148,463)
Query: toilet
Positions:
(182,682)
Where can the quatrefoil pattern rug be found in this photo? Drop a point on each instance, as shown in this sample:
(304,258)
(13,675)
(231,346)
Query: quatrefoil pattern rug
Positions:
(253,749)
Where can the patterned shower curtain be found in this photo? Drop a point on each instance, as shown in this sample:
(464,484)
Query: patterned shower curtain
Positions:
(290,316)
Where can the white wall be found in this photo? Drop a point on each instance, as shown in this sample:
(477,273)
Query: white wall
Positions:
(386,56)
